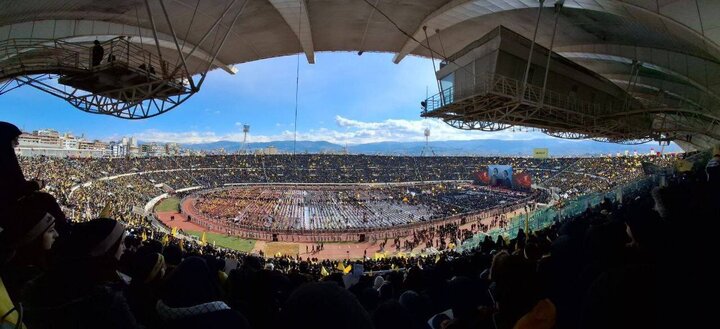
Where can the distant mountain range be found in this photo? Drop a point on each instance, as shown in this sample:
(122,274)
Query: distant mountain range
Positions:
(557,147)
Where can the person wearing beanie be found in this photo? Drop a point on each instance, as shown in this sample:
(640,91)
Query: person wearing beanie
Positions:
(12,181)
(323,305)
(30,233)
(191,298)
(147,272)
(84,289)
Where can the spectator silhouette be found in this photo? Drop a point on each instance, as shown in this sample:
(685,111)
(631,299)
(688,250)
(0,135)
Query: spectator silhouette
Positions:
(84,290)
(97,53)
(12,181)
(191,298)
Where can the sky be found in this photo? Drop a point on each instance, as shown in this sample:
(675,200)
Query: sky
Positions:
(343,98)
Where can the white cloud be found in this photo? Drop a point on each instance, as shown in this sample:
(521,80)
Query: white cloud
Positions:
(348,131)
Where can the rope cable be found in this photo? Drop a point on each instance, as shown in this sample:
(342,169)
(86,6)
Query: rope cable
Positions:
(442,47)
(297,81)
(409,36)
(432,59)
(192,19)
(137,16)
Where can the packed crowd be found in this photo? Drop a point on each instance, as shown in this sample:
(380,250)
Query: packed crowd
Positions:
(337,208)
(604,268)
(140,179)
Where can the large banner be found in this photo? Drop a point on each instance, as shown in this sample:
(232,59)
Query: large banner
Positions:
(541,153)
(482,177)
(500,175)
(522,181)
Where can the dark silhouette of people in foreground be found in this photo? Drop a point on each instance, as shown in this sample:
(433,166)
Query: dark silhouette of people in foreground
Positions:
(12,179)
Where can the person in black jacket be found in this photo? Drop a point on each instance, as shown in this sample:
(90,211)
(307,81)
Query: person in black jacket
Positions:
(97,53)
(191,298)
(12,181)
(84,290)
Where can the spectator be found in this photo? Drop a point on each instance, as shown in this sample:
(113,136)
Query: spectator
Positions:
(84,289)
(30,232)
(97,53)
(323,306)
(12,181)
(192,299)
(712,169)
(147,272)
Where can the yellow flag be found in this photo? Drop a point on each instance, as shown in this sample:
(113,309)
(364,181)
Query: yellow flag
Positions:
(347,269)
(203,240)
(6,304)
(105,213)
(165,240)
(174,232)
(340,266)
(323,271)
(143,236)
(683,165)
(437,258)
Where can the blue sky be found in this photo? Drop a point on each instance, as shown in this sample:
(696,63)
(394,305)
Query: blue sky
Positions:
(344,98)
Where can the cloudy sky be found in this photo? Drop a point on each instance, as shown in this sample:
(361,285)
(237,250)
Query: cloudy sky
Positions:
(343,98)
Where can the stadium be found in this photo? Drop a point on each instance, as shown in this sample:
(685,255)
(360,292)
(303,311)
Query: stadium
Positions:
(102,237)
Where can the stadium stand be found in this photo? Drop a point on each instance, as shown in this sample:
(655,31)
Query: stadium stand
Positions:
(600,267)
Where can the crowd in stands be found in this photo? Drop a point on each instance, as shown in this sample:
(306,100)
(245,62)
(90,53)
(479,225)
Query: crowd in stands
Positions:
(337,208)
(614,266)
(143,178)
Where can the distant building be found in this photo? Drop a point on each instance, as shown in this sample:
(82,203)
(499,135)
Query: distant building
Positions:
(172,149)
(270,150)
(153,149)
(118,149)
(49,142)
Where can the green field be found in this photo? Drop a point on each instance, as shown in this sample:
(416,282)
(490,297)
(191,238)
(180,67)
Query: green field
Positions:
(169,204)
(226,241)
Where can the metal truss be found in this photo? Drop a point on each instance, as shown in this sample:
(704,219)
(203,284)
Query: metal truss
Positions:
(623,141)
(132,83)
(565,134)
(493,103)
(145,105)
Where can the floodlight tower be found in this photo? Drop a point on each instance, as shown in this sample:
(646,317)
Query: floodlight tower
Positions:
(427,150)
(246,131)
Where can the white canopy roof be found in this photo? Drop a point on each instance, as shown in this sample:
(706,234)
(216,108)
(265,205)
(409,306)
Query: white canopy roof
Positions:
(677,41)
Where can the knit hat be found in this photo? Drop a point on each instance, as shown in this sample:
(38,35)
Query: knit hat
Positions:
(28,218)
(95,238)
(8,132)
(146,268)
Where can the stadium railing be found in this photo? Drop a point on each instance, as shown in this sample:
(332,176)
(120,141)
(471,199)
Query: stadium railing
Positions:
(545,217)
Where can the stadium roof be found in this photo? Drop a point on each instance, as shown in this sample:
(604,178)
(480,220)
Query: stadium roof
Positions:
(677,42)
